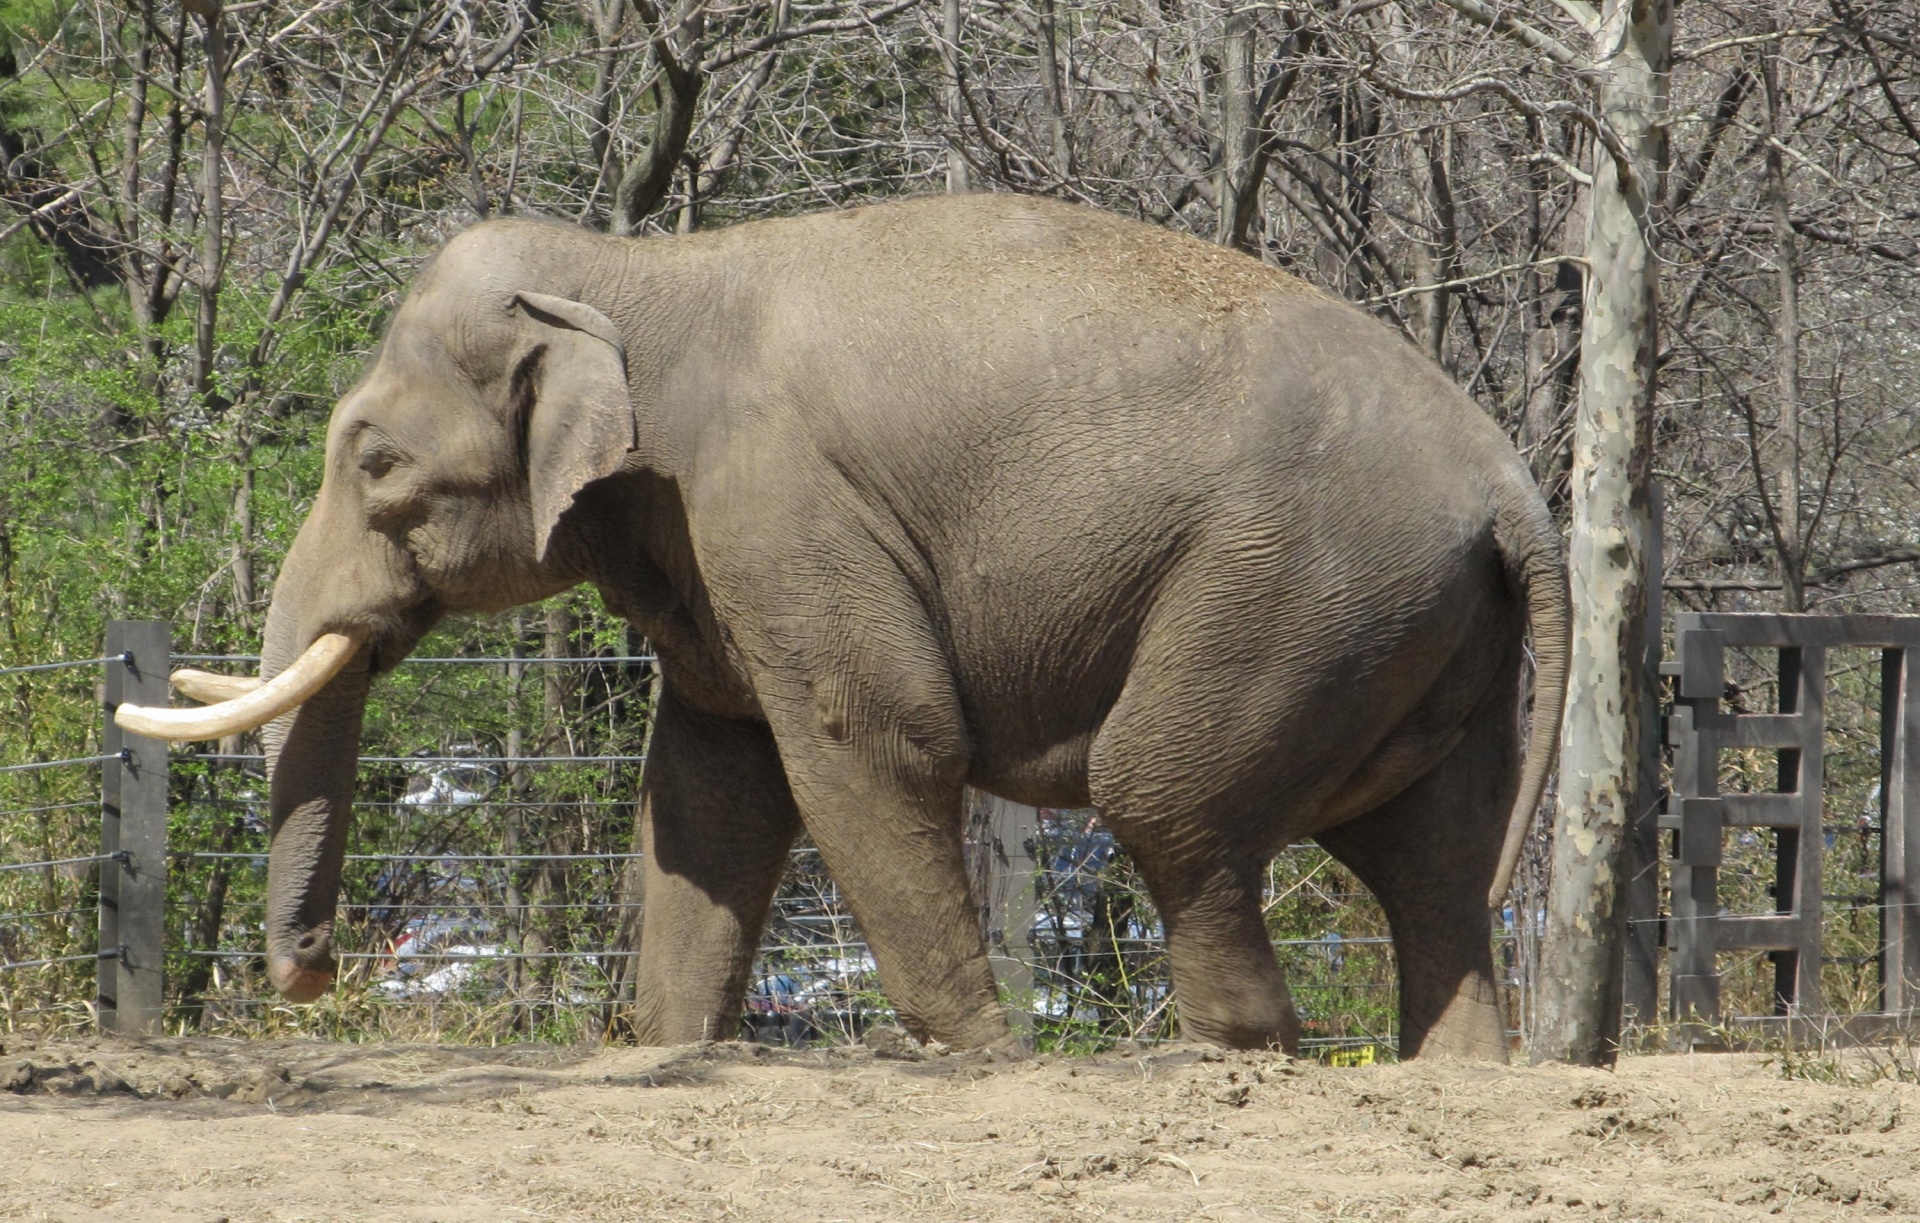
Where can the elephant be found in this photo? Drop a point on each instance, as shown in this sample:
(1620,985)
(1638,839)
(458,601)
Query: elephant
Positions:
(974,490)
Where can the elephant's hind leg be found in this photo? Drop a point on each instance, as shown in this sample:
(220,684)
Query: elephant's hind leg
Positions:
(1229,986)
(716,822)
(1204,863)
(1429,855)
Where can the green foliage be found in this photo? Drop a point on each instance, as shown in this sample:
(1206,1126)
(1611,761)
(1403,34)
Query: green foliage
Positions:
(1330,934)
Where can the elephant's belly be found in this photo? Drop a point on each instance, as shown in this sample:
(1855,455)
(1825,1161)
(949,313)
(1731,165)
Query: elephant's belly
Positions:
(1054,777)
(1403,758)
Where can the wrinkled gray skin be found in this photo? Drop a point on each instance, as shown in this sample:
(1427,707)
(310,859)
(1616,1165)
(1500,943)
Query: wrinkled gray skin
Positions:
(981,490)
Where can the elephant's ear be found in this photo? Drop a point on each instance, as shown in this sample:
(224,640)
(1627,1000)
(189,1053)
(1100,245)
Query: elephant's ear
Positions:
(580,425)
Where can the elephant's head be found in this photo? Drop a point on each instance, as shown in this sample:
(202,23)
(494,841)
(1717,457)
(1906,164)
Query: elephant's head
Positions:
(449,470)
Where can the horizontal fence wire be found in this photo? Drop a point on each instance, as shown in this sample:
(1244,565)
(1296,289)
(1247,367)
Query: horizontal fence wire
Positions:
(58,764)
(62,666)
(8,965)
(42,810)
(1335,941)
(28,866)
(449,906)
(249,952)
(517,804)
(254,758)
(535,659)
(231,854)
(541,660)
(44,914)
(427,1002)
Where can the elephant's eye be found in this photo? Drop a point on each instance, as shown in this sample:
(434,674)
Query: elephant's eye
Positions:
(376,463)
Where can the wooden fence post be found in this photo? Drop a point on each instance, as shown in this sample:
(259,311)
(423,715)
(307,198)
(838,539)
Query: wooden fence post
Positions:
(133,835)
(1900,830)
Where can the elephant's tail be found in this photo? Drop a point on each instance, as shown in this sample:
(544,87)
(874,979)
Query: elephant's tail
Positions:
(1530,547)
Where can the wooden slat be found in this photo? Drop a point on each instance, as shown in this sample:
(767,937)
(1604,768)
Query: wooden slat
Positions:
(1760,932)
(1762,810)
(1754,629)
(1764,730)
(1900,829)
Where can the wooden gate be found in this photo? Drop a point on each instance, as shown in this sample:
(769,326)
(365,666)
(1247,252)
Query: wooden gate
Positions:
(1687,837)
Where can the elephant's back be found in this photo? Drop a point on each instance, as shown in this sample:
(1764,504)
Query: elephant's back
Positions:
(993,306)
(998,252)
(1047,395)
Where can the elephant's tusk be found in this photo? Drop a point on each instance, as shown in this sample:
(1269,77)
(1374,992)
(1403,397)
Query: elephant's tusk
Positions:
(285,691)
(208,688)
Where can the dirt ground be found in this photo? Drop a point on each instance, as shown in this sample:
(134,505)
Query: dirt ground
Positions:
(206,1130)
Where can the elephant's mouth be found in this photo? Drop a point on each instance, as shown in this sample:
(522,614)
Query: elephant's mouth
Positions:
(391,638)
(236,703)
(243,704)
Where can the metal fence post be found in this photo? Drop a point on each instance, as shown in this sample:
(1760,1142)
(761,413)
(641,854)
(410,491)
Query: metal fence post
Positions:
(1009,835)
(1641,988)
(133,834)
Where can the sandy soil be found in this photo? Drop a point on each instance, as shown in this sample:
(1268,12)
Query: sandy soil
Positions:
(204,1130)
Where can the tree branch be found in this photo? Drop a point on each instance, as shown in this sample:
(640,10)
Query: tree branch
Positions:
(1825,577)
(1522,33)
(766,42)
(1608,138)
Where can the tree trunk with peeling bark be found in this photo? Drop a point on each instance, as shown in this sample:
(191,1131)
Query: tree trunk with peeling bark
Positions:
(1579,990)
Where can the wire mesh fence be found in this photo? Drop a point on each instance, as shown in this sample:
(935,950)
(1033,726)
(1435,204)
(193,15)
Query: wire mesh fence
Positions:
(503,945)
(49,839)
(491,892)
(490,888)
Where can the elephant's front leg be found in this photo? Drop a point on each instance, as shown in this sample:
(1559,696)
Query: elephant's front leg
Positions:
(893,845)
(716,822)
(877,762)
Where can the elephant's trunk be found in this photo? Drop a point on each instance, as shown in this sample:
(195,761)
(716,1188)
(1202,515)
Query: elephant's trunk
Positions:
(311,762)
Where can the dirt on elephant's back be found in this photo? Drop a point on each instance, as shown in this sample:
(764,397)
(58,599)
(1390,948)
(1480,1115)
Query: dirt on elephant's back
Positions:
(200,1130)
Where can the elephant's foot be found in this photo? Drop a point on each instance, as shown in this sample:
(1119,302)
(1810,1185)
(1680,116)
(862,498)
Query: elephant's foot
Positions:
(1232,992)
(1468,1025)
(1245,1019)
(654,1022)
(982,1028)
(1227,983)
